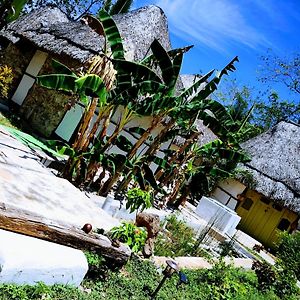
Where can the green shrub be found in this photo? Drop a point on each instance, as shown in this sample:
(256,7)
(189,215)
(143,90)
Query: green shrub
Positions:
(286,285)
(288,252)
(6,78)
(139,278)
(266,275)
(272,278)
(138,200)
(135,237)
(177,240)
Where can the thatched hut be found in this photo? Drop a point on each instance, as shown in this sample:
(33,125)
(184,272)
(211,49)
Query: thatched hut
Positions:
(30,43)
(272,202)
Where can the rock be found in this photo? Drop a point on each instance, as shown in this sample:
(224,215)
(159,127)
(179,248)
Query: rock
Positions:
(152,223)
(27,260)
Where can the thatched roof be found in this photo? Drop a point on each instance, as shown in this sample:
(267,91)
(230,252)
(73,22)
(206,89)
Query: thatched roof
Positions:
(275,164)
(50,30)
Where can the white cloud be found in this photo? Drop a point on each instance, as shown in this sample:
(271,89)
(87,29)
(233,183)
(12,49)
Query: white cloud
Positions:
(216,24)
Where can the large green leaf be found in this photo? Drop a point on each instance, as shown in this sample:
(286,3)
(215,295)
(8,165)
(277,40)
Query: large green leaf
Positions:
(138,71)
(164,62)
(59,82)
(151,59)
(32,142)
(194,88)
(141,88)
(16,8)
(213,84)
(92,85)
(61,68)
(149,177)
(124,143)
(112,35)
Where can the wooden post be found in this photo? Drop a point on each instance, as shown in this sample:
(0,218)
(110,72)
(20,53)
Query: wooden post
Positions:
(26,223)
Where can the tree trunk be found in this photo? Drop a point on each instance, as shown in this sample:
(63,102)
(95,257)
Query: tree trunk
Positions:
(23,222)
(111,181)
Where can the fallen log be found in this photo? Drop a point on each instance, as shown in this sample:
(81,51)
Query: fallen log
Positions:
(24,222)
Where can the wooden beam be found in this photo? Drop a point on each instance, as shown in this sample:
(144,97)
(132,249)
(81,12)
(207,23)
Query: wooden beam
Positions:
(24,222)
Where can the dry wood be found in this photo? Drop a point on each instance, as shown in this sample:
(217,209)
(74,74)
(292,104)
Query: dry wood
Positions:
(26,223)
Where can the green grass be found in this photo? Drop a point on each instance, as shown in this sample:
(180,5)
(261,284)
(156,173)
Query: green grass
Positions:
(138,278)
(6,122)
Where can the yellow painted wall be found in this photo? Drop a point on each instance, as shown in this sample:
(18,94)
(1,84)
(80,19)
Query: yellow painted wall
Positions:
(260,220)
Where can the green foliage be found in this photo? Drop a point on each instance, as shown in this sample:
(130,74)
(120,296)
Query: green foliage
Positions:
(286,285)
(120,7)
(130,234)
(139,278)
(74,9)
(269,113)
(226,282)
(138,200)
(6,78)
(282,70)
(273,278)
(288,252)
(10,10)
(67,81)
(177,239)
(93,259)
(266,275)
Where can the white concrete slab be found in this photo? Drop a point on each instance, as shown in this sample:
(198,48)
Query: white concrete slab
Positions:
(27,260)
(27,184)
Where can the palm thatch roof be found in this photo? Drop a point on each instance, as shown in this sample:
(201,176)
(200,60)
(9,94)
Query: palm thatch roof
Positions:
(275,164)
(50,30)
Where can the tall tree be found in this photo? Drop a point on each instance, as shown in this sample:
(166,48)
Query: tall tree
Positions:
(120,6)
(281,70)
(75,9)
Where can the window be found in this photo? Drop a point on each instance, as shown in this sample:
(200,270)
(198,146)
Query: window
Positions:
(277,207)
(265,200)
(284,224)
(247,204)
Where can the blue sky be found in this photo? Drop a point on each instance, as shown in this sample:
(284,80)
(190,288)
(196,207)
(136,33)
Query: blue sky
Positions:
(221,29)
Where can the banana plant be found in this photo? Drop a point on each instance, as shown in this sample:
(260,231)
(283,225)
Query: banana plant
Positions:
(159,105)
(189,101)
(10,10)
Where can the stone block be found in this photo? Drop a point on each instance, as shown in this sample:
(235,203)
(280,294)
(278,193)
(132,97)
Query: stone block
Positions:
(27,260)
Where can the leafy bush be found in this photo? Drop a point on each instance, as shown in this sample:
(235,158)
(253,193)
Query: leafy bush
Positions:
(266,275)
(130,234)
(286,285)
(226,282)
(6,78)
(177,240)
(138,200)
(139,278)
(288,252)
(281,281)
(97,265)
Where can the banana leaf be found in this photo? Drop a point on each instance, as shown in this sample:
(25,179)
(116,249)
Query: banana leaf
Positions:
(138,71)
(17,6)
(164,62)
(61,68)
(59,82)
(194,88)
(151,59)
(124,143)
(150,178)
(112,35)
(137,130)
(92,85)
